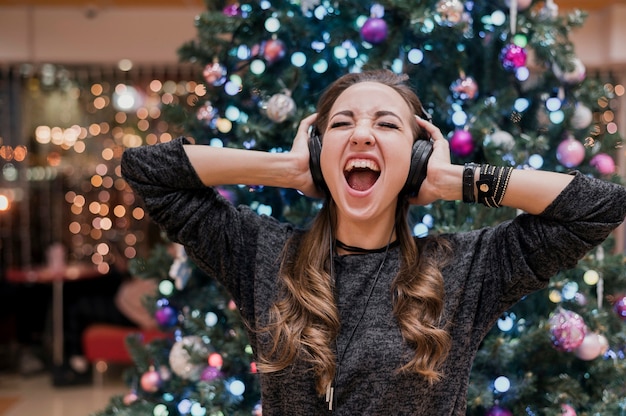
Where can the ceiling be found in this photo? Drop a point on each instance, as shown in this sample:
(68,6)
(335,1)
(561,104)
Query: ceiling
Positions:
(104,3)
(563,4)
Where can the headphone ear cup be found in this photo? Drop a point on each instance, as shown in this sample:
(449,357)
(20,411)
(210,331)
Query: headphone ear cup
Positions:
(315,150)
(422,149)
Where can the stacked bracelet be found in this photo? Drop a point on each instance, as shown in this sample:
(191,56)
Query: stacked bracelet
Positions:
(485,184)
(491,185)
(468,182)
(502,183)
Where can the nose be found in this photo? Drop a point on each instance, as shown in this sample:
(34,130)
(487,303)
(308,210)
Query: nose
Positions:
(362,135)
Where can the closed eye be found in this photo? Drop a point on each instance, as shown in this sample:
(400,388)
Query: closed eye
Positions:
(388,125)
(338,124)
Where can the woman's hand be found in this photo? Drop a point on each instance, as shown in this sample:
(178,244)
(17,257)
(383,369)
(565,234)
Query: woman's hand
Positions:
(443,180)
(300,151)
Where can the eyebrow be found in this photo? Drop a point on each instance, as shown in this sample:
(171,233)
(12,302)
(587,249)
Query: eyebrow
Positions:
(377,114)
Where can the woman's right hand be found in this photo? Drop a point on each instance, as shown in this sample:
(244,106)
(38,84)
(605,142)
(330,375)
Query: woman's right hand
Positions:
(301,156)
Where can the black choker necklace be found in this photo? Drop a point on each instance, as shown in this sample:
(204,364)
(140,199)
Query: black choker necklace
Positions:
(361,250)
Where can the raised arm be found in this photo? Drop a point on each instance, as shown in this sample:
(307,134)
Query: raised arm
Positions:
(528,190)
(225,166)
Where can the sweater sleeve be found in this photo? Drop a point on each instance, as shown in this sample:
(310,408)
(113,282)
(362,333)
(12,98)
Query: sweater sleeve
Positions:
(579,219)
(220,238)
(517,257)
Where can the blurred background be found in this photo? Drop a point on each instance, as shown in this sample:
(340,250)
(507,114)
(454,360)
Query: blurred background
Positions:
(80,81)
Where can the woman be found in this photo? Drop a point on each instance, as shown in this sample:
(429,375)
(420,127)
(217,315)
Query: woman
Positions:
(354,315)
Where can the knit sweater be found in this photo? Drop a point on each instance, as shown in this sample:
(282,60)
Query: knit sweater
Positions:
(492,269)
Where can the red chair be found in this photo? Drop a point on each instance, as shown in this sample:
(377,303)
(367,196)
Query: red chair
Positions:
(105,344)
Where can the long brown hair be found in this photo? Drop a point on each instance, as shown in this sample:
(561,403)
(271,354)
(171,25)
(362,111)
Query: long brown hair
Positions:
(304,321)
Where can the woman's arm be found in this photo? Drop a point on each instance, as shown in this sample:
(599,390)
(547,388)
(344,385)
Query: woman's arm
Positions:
(226,166)
(528,190)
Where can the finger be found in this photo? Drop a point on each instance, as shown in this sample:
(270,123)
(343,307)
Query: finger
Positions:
(433,130)
(307,123)
(304,130)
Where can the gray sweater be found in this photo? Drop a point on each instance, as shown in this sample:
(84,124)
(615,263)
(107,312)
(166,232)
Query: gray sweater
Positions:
(492,269)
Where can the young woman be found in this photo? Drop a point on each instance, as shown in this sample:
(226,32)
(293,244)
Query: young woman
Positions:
(355,315)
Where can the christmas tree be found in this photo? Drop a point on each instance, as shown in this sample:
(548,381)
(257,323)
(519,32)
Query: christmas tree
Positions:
(502,80)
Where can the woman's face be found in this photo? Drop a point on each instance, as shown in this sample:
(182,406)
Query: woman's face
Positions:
(366,151)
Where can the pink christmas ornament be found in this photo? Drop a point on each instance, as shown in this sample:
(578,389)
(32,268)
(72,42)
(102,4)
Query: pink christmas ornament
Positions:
(374,30)
(593,346)
(206,112)
(604,163)
(130,398)
(499,411)
(620,307)
(150,381)
(567,330)
(513,57)
(570,152)
(232,10)
(210,373)
(165,373)
(567,410)
(166,316)
(461,143)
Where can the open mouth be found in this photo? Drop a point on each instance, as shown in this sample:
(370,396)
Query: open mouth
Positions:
(361,174)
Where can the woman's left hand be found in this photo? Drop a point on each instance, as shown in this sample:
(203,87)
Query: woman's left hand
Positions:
(439,165)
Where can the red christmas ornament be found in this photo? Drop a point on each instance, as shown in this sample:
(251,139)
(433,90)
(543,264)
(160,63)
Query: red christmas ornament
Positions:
(214,74)
(464,88)
(273,50)
(216,360)
(461,143)
(512,57)
(374,30)
(151,381)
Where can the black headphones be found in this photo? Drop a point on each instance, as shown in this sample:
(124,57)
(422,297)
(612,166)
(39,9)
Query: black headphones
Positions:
(420,153)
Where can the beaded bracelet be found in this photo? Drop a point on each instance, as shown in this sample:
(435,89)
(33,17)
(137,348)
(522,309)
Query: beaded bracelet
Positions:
(503,183)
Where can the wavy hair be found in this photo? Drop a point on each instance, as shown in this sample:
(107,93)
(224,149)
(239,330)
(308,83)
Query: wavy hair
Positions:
(304,321)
